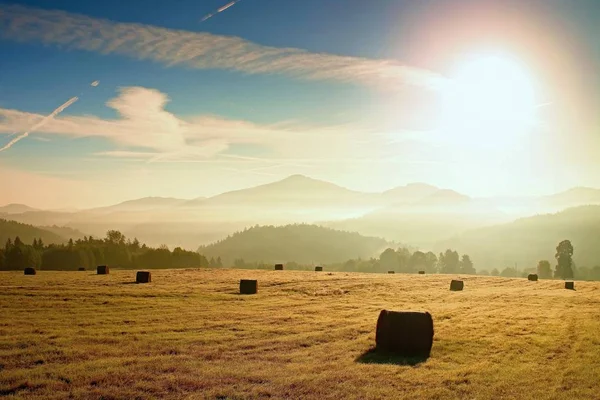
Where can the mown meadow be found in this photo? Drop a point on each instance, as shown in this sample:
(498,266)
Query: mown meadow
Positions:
(189,334)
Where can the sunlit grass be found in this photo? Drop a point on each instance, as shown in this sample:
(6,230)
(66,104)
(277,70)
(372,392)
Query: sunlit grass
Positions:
(188,334)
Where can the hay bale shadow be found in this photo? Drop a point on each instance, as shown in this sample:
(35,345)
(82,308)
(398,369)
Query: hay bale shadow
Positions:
(372,356)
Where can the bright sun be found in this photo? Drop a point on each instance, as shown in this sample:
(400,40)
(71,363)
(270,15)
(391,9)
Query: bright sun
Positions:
(489,98)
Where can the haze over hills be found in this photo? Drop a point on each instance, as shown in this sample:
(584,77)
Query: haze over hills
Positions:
(409,193)
(528,240)
(143,204)
(416,214)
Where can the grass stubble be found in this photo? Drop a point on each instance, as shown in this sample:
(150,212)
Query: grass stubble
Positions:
(190,335)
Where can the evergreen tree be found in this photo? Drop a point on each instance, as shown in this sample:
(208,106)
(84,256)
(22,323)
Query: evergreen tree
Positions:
(417,261)
(451,263)
(564,258)
(431,262)
(466,265)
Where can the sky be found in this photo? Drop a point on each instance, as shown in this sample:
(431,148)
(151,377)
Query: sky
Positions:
(487,98)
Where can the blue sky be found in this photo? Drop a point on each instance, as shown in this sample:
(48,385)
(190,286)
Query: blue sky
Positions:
(356,101)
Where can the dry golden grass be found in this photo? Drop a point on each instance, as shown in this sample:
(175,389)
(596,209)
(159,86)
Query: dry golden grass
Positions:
(188,334)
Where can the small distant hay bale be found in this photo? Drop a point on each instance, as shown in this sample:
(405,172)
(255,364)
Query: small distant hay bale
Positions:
(102,270)
(143,277)
(532,277)
(421,272)
(30,271)
(570,285)
(456,286)
(406,333)
(318,269)
(278,267)
(81,269)
(248,286)
(391,272)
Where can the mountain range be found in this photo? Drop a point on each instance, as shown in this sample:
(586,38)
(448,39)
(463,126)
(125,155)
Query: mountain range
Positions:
(417,214)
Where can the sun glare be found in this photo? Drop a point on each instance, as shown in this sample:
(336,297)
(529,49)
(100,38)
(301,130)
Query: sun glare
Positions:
(488,95)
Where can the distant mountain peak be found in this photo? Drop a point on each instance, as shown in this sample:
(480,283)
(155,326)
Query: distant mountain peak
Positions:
(302,179)
(298,177)
(16,208)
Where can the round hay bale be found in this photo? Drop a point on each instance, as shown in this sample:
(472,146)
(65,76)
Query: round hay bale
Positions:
(248,286)
(421,272)
(406,333)
(102,270)
(456,286)
(570,285)
(318,269)
(143,277)
(30,271)
(532,277)
(391,272)
(81,269)
(278,267)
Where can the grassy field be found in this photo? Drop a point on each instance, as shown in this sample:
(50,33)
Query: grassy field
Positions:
(188,334)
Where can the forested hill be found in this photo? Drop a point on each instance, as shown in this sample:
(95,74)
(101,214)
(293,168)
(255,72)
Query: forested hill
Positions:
(12,229)
(301,243)
(528,240)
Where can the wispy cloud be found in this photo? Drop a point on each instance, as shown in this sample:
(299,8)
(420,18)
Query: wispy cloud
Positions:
(200,50)
(145,131)
(143,123)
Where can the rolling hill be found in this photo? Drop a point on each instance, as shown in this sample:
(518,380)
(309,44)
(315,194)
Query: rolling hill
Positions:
(528,240)
(11,229)
(301,243)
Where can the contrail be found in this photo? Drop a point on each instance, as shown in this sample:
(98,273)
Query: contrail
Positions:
(42,122)
(225,7)
(45,119)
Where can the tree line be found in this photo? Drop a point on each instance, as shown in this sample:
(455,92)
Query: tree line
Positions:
(113,250)
(401,260)
(118,251)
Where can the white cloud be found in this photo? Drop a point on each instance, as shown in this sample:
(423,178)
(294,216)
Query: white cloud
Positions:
(147,131)
(200,50)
